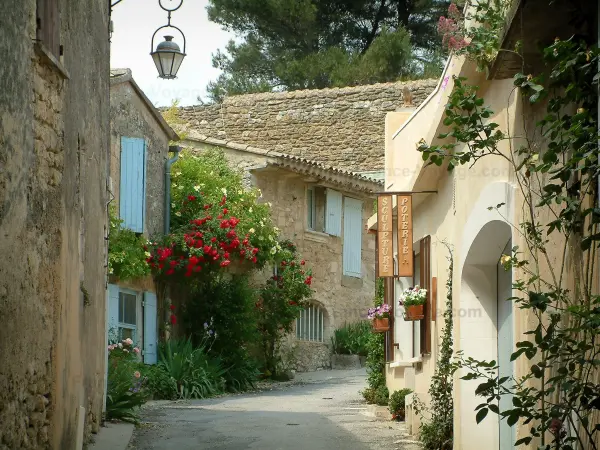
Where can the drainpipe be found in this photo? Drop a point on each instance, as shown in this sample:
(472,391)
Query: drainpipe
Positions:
(172,149)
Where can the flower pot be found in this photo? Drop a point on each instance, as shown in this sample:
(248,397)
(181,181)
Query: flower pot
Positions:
(381,325)
(413,312)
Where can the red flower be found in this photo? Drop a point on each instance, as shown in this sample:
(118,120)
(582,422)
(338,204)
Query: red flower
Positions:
(224,224)
(213,239)
(198,244)
(223,200)
(308,281)
(170,272)
(173,319)
(193,260)
(254,260)
(226,255)
(188,273)
(172,307)
(206,206)
(254,251)
(283,263)
(207,248)
(220,216)
(191,198)
(197,268)
(242,252)
(225,263)
(302,262)
(225,210)
(173,263)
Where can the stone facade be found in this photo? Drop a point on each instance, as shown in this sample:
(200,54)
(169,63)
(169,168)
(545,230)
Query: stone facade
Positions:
(53,169)
(343,299)
(343,127)
(132,115)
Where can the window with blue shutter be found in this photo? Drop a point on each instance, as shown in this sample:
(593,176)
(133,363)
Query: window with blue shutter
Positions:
(150,328)
(112,312)
(132,188)
(352,237)
(333,213)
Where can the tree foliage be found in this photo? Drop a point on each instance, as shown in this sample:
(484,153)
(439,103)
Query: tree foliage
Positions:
(303,44)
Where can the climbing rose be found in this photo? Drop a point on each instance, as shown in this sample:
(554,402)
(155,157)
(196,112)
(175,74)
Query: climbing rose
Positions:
(173,319)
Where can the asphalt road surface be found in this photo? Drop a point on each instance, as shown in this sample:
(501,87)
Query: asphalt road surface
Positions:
(322,411)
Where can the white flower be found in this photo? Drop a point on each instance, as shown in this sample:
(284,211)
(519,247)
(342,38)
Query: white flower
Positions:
(251,230)
(276,229)
(250,210)
(120,345)
(197,188)
(147,254)
(174,184)
(178,214)
(172,205)
(110,270)
(270,204)
(273,250)
(270,237)
(128,341)
(240,192)
(224,191)
(180,187)
(177,173)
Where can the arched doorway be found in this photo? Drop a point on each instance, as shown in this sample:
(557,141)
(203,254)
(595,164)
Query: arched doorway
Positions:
(484,318)
(486,329)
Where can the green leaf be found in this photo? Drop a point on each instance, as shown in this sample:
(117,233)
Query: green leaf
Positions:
(481,414)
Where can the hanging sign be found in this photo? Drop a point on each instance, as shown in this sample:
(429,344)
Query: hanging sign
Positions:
(405,236)
(385,237)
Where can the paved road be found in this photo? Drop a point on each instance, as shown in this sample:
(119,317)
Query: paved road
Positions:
(324,412)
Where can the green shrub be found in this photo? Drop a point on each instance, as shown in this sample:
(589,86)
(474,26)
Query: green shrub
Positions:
(126,390)
(377,391)
(195,373)
(397,403)
(352,339)
(158,382)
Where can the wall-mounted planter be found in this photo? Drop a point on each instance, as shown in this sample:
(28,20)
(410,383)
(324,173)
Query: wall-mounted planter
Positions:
(381,325)
(414,312)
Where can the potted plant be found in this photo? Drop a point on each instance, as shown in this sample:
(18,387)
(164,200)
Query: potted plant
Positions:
(413,300)
(380,315)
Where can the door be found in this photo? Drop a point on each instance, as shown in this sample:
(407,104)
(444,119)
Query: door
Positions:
(505,345)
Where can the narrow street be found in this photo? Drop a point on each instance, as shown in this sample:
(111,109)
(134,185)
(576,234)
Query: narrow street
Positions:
(320,411)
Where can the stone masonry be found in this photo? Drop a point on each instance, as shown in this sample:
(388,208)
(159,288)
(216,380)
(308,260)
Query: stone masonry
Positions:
(341,127)
(343,299)
(53,171)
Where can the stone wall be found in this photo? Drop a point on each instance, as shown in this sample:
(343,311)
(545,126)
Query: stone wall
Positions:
(340,127)
(344,299)
(53,168)
(130,117)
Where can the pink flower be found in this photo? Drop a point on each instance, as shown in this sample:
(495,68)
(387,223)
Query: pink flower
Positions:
(136,350)
(128,341)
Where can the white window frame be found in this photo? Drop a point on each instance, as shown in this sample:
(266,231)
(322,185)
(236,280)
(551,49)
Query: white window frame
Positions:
(311,211)
(125,325)
(310,325)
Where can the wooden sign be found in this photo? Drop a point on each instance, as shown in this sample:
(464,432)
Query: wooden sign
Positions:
(405,236)
(385,237)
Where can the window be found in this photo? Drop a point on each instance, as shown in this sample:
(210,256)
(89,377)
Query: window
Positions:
(48,26)
(311,209)
(127,315)
(132,188)
(352,252)
(324,210)
(310,324)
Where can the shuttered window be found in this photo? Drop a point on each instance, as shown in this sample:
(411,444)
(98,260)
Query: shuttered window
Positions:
(132,189)
(48,25)
(150,328)
(352,237)
(425,272)
(311,209)
(333,213)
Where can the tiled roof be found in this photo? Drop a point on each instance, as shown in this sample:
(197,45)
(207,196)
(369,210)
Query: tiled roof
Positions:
(365,182)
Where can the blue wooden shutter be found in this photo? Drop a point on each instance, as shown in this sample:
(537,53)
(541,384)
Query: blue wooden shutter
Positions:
(132,189)
(333,213)
(150,328)
(352,237)
(112,313)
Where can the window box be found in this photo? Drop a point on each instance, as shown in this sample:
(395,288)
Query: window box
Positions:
(381,325)
(414,312)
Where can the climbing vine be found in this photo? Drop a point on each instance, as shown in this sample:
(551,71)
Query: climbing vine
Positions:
(436,431)
(556,171)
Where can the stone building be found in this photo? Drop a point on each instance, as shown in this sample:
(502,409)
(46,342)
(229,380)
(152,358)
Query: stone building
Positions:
(340,127)
(324,211)
(54,134)
(139,149)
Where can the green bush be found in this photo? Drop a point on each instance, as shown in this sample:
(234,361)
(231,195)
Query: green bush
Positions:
(377,392)
(352,339)
(397,403)
(126,390)
(158,382)
(195,373)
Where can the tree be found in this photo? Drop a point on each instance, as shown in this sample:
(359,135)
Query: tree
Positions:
(300,44)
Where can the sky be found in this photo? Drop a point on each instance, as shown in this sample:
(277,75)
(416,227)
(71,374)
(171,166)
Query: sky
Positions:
(134,22)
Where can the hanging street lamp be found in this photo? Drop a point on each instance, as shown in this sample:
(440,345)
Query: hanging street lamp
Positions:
(167,56)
